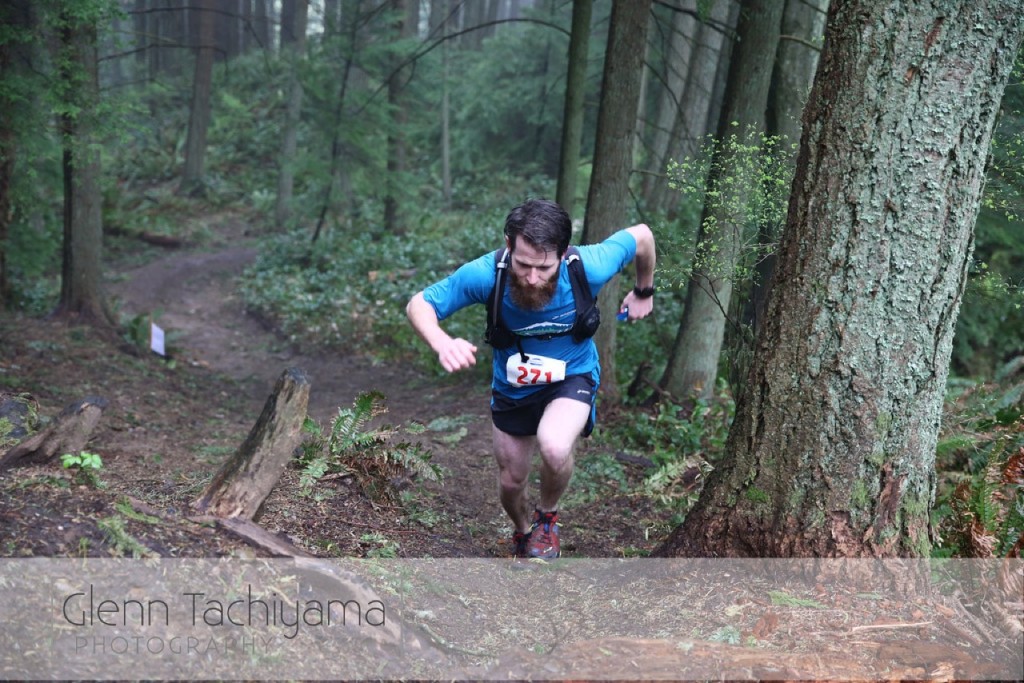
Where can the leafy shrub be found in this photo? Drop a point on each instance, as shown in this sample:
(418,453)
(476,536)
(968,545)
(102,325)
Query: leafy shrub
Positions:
(682,446)
(350,294)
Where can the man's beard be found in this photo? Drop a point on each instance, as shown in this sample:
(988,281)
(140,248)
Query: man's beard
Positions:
(532,298)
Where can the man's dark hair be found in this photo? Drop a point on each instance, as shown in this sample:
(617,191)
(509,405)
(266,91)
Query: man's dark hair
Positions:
(542,223)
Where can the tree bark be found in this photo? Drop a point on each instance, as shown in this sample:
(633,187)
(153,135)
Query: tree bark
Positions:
(613,158)
(679,47)
(832,450)
(247,478)
(408,17)
(572,115)
(199,117)
(81,294)
(695,117)
(293,114)
(692,367)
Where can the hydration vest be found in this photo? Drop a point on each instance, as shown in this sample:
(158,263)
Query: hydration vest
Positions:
(588,316)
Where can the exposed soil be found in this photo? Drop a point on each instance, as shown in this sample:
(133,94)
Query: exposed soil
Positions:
(170,426)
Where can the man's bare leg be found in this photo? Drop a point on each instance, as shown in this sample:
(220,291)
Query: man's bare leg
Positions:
(513,455)
(563,421)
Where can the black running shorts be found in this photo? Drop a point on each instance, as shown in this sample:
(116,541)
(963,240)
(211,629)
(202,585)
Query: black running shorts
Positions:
(520,417)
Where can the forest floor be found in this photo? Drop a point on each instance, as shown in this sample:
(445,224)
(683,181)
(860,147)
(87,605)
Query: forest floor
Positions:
(170,426)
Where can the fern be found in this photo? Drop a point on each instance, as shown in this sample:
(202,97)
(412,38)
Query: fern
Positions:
(988,509)
(347,431)
(367,454)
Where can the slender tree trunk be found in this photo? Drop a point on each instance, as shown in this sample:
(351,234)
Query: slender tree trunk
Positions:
(229,39)
(572,115)
(711,54)
(693,364)
(141,33)
(199,118)
(408,12)
(680,46)
(832,450)
(350,12)
(293,113)
(261,25)
(613,157)
(14,63)
(81,294)
(177,36)
(446,144)
(287,30)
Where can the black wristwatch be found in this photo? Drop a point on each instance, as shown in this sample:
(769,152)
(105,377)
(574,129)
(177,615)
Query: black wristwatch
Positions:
(643,292)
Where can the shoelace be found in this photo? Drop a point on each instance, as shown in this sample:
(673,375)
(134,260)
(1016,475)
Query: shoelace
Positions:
(544,525)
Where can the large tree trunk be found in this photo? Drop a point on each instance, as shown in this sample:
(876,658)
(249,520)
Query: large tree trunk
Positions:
(293,114)
(81,293)
(692,366)
(199,118)
(831,453)
(572,114)
(613,157)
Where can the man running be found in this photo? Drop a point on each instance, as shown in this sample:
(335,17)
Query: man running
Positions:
(545,377)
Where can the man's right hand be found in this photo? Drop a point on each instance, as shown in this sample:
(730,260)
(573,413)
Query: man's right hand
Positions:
(456,354)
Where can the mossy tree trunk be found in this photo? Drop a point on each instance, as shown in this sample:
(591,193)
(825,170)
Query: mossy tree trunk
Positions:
(832,450)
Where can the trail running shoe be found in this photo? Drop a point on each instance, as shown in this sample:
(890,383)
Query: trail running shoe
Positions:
(543,540)
(520,542)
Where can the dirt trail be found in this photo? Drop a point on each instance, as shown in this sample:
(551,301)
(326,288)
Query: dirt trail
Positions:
(200,310)
(194,298)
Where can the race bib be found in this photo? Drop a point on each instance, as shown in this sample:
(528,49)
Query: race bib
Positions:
(536,370)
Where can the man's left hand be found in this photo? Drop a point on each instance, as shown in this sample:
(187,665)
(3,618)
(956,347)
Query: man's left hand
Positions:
(638,308)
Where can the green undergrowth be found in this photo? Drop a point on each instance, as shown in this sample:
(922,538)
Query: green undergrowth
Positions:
(350,294)
(979,509)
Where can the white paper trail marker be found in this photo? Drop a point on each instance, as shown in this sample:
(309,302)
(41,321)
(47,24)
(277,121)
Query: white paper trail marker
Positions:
(156,339)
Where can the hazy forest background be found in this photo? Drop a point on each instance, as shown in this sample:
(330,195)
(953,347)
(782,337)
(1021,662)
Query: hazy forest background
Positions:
(373,145)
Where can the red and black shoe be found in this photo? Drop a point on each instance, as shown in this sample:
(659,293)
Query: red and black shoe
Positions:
(543,538)
(520,543)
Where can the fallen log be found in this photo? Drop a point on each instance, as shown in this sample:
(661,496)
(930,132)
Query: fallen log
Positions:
(69,433)
(247,478)
(255,535)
